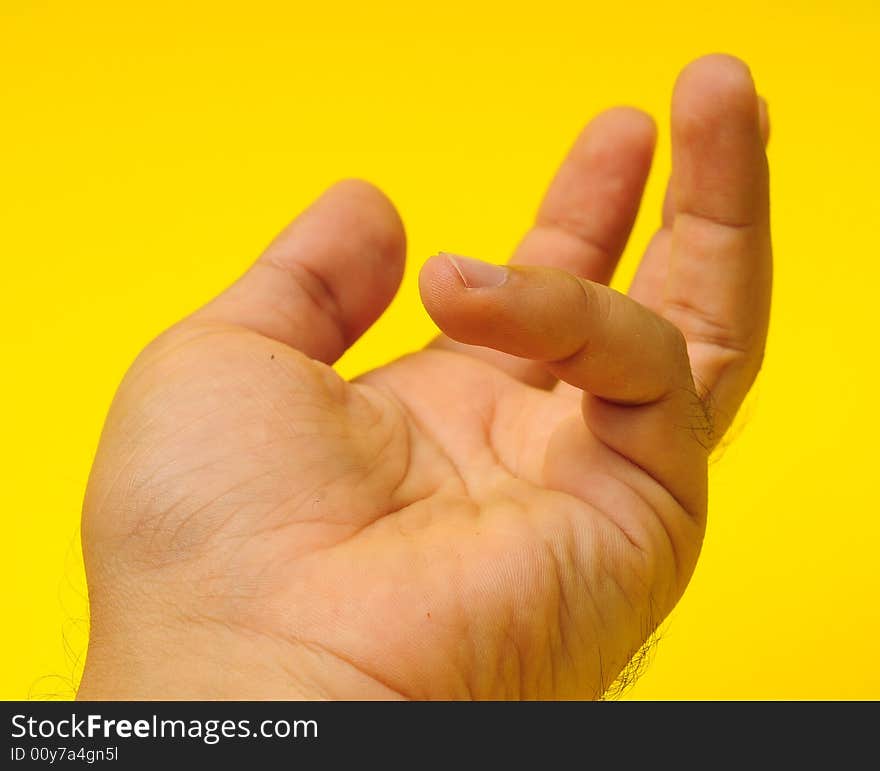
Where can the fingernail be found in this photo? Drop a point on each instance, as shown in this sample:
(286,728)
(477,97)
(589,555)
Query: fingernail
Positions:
(476,274)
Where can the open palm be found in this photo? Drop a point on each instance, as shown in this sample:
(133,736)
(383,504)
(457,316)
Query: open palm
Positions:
(506,514)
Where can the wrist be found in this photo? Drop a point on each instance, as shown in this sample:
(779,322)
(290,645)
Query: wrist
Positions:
(191,662)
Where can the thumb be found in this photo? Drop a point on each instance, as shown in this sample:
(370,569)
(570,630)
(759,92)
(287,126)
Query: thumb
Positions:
(631,363)
(326,278)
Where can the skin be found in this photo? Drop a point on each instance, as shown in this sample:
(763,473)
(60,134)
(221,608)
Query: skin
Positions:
(506,514)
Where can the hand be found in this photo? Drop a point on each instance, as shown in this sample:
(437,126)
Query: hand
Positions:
(508,513)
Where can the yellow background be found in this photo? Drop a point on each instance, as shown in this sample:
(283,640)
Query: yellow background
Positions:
(149,150)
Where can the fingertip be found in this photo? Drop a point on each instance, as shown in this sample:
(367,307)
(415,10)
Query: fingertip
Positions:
(353,237)
(375,209)
(616,136)
(439,285)
(437,278)
(448,298)
(710,90)
(626,123)
(718,71)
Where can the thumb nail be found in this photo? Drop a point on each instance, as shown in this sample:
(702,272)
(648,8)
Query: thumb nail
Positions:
(476,274)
